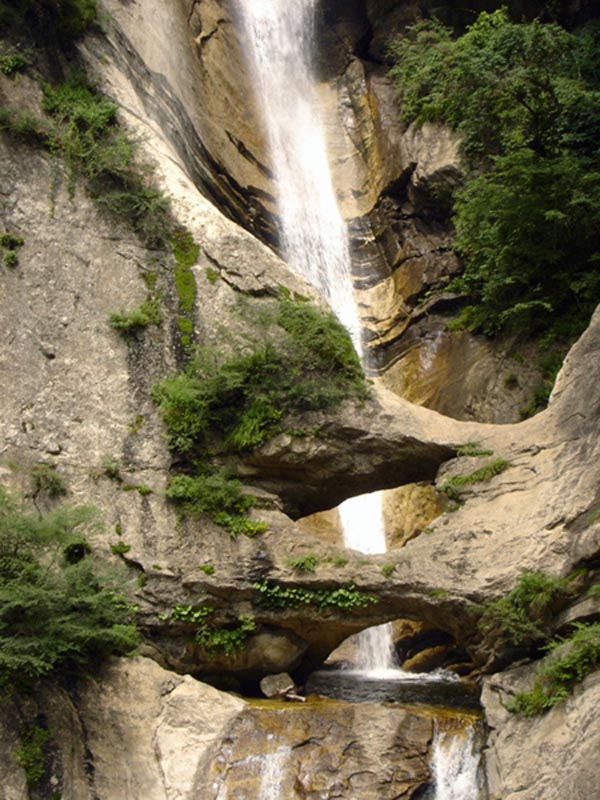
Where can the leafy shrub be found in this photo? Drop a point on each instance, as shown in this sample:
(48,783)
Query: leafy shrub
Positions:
(243,400)
(275,595)
(12,63)
(82,128)
(57,614)
(568,661)
(525,99)
(522,616)
(27,127)
(211,638)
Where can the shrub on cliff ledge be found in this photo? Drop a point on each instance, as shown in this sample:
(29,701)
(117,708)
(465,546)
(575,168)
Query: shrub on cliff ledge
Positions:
(307,363)
(59,611)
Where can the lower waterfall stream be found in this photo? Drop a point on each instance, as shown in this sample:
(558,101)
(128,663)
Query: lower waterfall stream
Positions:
(315,243)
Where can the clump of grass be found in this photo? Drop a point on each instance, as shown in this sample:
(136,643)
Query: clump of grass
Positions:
(305,563)
(387,569)
(242,401)
(473,449)
(47,480)
(111,468)
(454,486)
(131,323)
(567,662)
(81,127)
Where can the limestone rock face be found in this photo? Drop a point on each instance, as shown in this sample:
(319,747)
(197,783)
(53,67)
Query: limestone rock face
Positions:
(138,732)
(369,751)
(552,756)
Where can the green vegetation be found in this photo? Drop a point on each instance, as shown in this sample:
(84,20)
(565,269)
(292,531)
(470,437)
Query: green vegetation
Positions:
(32,752)
(81,127)
(111,468)
(473,449)
(60,611)
(523,616)
(274,595)
(234,404)
(387,569)
(120,549)
(186,252)
(525,99)
(207,569)
(220,496)
(46,480)
(228,639)
(143,489)
(131,323)
(305,563)
(12,63)
(11,243)
(307,363)
(568,661)
(454,486)
(212,275)
(52,23)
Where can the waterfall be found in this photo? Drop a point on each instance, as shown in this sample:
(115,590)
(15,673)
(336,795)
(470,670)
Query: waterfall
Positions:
(271,781)
(313,233)
(455,765)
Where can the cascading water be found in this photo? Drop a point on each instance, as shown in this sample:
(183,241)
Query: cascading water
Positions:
(455,764)
(314,235)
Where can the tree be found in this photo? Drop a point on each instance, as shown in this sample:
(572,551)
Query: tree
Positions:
(60,611)
(525,99)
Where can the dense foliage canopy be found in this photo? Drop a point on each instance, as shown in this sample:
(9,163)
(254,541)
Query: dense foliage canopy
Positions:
(525,99)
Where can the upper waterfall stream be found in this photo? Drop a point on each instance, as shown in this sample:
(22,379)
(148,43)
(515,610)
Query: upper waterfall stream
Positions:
(313,233)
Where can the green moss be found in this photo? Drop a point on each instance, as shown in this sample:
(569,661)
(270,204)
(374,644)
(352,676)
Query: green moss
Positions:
(454,487)
(120,549)
(208,569)
(212,275)
(11,258)
(387,569)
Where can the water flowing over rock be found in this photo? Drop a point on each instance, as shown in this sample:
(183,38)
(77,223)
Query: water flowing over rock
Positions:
(78,396)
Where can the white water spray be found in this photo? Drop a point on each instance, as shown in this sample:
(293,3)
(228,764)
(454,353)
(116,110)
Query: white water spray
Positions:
(455,764)
(314,235)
